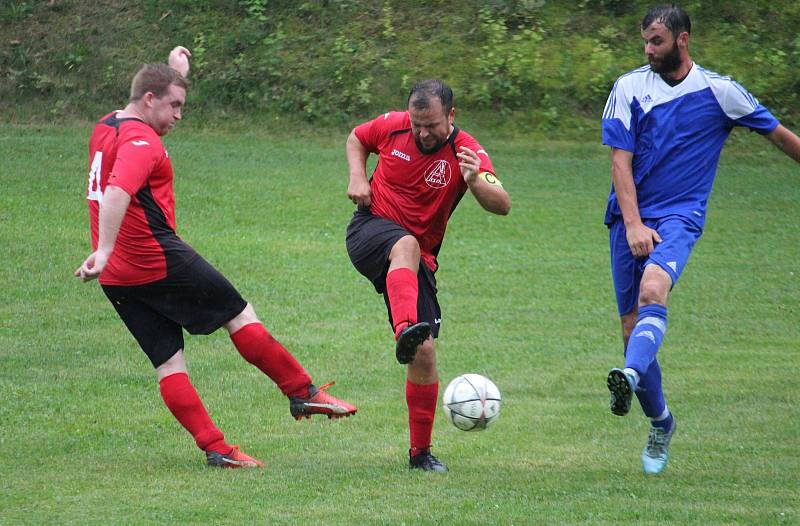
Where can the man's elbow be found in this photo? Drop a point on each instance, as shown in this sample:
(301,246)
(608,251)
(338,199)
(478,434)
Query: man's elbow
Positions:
(503,207)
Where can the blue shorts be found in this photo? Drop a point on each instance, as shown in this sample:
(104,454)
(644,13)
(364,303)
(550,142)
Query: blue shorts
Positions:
(678,236)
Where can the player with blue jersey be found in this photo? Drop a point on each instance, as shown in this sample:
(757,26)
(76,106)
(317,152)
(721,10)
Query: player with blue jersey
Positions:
(666,124)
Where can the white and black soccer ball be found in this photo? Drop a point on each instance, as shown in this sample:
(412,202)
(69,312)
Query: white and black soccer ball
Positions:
(471,402)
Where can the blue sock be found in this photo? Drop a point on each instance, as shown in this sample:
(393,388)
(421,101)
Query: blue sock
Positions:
(665,422)
(651,395)
(646,337)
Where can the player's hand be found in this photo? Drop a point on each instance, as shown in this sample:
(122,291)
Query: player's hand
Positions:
(470,164)
(641,239)
(92,267)
(179,60)
(359,192)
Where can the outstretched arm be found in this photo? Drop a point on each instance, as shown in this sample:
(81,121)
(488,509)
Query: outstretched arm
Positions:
(358,190)
(112,212)
(179,60)
(487,190)
(786,140)
(641,239)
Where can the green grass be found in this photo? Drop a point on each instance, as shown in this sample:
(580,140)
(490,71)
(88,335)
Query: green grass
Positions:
(527,300)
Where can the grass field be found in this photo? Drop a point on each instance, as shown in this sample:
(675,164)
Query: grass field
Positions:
(527,300)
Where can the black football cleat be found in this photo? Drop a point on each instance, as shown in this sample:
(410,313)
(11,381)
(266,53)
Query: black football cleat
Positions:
(621,387)
(319,403)
(425,461)
(410,338)
(235,459)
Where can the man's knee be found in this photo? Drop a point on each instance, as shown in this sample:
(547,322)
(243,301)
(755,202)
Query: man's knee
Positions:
(246,317)
(406,249)
(176,364)
(654,287)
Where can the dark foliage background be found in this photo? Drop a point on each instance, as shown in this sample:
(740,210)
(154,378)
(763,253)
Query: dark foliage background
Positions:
(530,65)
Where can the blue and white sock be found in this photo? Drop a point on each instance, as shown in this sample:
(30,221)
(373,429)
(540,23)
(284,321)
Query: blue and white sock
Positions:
(646,337)
(664,420)
(650,393)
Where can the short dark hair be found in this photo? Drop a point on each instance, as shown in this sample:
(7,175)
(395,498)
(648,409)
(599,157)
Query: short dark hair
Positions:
(421,94)
(155,78)
(673,17)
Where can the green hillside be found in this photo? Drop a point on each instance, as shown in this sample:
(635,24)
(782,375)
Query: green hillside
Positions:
(534,65)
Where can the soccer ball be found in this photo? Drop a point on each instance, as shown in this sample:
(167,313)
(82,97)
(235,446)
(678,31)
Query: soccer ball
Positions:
(471,402)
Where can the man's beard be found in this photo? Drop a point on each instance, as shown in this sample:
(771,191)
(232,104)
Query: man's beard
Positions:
(428,151)
(670,62)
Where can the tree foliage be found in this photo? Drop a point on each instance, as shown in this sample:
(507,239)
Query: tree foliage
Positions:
(536,64)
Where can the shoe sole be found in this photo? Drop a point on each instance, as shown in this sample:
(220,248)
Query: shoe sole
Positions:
(410,339)
(621,392)
(329,415)
(221,461)
(299,411)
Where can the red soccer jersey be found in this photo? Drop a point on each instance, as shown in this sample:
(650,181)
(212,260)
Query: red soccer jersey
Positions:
(128,154)
(415,190)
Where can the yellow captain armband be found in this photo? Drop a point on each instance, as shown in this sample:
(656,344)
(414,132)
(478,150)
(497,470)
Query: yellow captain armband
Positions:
(490,178)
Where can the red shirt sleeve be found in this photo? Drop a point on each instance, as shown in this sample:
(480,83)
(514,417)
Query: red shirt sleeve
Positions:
(137,157)
(373,133)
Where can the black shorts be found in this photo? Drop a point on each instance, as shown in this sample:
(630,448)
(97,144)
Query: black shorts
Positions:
(196,298)
(369,241)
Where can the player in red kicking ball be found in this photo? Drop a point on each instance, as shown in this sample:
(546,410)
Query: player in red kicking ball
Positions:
(157,283)
(425,167)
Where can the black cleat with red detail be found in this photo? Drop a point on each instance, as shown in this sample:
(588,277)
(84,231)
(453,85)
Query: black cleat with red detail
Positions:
(236,458)
(319,403)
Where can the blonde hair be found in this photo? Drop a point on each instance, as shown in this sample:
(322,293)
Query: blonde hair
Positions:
(155,78)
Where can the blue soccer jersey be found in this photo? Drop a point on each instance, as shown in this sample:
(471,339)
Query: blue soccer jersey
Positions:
(676,134)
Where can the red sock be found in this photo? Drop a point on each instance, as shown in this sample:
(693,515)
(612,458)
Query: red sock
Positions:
(258,347)
(184,404)
(402,289)
(421,400)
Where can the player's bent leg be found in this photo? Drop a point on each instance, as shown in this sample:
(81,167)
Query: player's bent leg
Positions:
(261,349)
(402,291)
(628,322)
(409,340)
(644,338)
(621,385)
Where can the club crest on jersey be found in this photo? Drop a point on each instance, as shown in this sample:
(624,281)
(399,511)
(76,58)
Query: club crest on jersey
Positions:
(437,174)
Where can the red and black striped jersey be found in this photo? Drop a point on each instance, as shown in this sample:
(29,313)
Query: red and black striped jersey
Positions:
(127,153)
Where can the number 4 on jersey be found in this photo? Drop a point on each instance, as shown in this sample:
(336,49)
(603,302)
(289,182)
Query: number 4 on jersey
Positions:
(95,192)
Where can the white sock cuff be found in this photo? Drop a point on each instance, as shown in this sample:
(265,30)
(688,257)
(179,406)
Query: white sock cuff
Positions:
(655,322)
(632,372)
(663,416)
